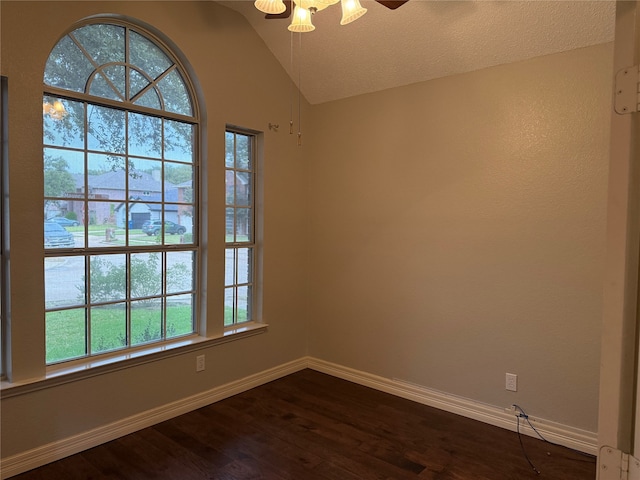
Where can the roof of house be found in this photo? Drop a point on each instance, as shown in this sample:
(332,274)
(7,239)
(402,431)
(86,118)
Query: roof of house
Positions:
(154,201)
(140,181)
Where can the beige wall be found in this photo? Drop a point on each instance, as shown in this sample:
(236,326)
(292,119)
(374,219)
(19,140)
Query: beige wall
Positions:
(457,232)
(241,84)
(443,233)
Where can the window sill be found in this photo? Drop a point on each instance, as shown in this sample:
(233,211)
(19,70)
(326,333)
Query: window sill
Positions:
(86,368)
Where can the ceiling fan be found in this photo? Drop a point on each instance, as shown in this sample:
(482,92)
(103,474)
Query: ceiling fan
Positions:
(301,12)
(391,4)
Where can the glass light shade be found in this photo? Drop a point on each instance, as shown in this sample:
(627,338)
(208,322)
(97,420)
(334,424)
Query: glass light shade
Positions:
(301,21)
(270,6)
(55,111)
(351,10)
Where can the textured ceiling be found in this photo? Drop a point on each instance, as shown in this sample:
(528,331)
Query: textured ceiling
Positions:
(425,39)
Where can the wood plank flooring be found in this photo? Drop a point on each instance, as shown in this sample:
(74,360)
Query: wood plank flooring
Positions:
(311,426)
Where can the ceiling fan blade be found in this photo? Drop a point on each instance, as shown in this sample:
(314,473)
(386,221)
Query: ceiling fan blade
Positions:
(285,14)
(392,4)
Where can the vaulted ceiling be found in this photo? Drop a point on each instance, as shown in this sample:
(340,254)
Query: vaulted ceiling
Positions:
(425,39)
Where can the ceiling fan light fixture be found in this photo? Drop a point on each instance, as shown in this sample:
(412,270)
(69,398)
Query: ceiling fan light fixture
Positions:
(301,21)
(272,7)
(351,10)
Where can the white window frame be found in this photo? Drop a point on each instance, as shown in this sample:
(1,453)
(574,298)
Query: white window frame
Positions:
(235,245)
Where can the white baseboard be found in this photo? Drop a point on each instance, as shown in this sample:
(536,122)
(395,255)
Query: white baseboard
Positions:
(564,435)
(557,433)
(51,452)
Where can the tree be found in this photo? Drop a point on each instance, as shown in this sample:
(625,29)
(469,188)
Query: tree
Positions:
(108,280)
(178,174)
(151,79)
(57,181)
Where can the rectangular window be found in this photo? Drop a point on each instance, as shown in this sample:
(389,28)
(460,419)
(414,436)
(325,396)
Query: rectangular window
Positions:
(240,247)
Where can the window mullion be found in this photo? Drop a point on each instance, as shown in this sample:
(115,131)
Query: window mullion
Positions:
(127,60)
(127,309)
(127,203)
(85,182)
(87,304)
(107,102)
(236,266)
(163,319)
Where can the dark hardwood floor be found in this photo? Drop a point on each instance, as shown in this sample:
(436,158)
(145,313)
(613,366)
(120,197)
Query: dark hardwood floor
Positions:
(310,426)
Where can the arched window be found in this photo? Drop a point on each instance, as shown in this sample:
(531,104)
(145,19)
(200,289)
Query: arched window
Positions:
(120,202)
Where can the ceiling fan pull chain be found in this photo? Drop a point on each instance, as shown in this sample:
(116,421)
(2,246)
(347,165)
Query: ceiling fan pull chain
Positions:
(299,89)
(291,88)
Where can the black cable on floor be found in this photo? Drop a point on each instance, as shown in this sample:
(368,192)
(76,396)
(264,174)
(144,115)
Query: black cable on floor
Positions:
(522,414)
(524,452)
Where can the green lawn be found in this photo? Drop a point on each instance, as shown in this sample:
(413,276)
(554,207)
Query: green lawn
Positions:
(66,332)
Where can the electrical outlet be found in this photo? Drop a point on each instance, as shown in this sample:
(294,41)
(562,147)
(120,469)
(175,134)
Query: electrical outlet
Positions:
(199,363)
(511,382)
(511,410)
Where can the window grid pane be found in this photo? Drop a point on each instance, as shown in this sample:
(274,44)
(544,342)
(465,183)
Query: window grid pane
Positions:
(121,250)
